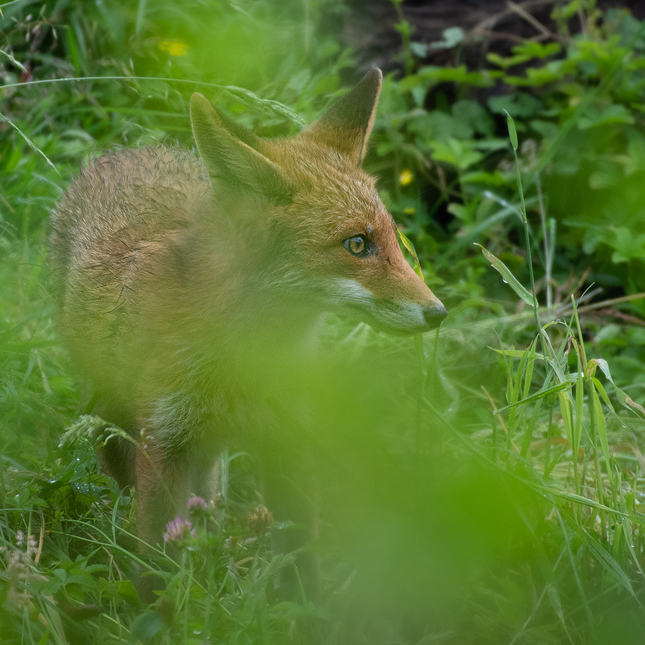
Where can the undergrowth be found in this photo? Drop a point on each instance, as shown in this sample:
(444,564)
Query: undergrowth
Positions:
(489,486)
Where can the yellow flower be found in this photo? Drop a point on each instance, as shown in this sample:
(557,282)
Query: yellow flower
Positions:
(406,177)
(409,211)
(174,47)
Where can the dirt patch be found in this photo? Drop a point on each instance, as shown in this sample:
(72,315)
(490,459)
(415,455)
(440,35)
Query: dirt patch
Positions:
(489,26)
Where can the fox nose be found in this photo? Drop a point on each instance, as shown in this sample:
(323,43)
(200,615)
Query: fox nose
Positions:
(434,315)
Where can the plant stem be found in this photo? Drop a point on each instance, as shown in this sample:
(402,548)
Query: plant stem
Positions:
(527,237)
(548,260)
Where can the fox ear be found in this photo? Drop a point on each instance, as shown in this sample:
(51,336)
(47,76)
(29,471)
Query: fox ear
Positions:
(230,155)
(240,132)
(346,126)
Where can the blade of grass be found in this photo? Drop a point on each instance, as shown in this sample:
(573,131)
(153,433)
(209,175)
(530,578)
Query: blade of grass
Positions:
(508,277)
(538,395)
(512,133)
(29,142)
(246,96)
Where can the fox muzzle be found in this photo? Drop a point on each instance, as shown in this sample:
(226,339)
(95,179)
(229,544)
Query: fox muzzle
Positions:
(434,315)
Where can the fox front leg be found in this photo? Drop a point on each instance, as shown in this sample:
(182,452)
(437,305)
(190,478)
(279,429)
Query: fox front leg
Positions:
(162,493)
(291,488)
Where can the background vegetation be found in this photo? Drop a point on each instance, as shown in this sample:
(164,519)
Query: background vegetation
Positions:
(489,487)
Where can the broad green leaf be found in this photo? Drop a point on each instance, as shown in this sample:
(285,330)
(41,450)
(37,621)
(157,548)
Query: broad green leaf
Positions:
(145,626)
(461,74)
(455,152)
(506,62)
(517,104)
(451,38)
(476,116)
(537,50)
(480,177)
(615,113)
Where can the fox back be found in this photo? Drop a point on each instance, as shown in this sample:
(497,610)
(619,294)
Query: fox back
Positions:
(167,265)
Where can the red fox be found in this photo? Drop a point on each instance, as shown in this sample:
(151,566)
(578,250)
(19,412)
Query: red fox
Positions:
(165,265)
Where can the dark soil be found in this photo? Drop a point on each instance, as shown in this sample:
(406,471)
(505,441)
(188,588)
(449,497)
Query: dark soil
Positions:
(490,25)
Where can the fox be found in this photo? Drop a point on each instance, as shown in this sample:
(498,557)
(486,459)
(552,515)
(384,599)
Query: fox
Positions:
(165,265)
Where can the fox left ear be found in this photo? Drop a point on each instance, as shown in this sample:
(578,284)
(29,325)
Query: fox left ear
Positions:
(346,126)
(231,156)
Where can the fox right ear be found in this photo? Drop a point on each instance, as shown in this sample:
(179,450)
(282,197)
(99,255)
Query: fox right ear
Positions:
(231,158)
(346,126)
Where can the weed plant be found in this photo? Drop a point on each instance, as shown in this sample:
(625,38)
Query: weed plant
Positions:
(482,486)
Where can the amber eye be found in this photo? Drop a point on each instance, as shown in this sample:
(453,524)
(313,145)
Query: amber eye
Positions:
(357,245)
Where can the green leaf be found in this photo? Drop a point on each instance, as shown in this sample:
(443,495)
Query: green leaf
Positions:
(145,626)
(512,132)
(601,390)
(601,427)
(534,49)
(508,277)
(488,178)
(615,113)
(515,353)
(457,153)
(73,49)
(460,74)
(327,84)
(625,400)
(18,64)
(528,376)
(538,395)
(565,411)
(505,63)
(29,142)
(410,247)
(459,210)
(608,563)
(475,115)
(451,38)
(419,49)
(517,104)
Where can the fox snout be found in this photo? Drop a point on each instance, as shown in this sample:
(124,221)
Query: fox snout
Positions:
(431,308)
(393,313)
(434,315)
(404,318)
(411,318)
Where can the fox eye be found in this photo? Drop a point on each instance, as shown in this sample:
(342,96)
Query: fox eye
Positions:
(357,245)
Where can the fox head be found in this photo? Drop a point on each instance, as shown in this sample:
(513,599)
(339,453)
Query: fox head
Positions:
(337,239)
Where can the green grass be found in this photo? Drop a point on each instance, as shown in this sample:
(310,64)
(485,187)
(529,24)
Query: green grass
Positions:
(484,487)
